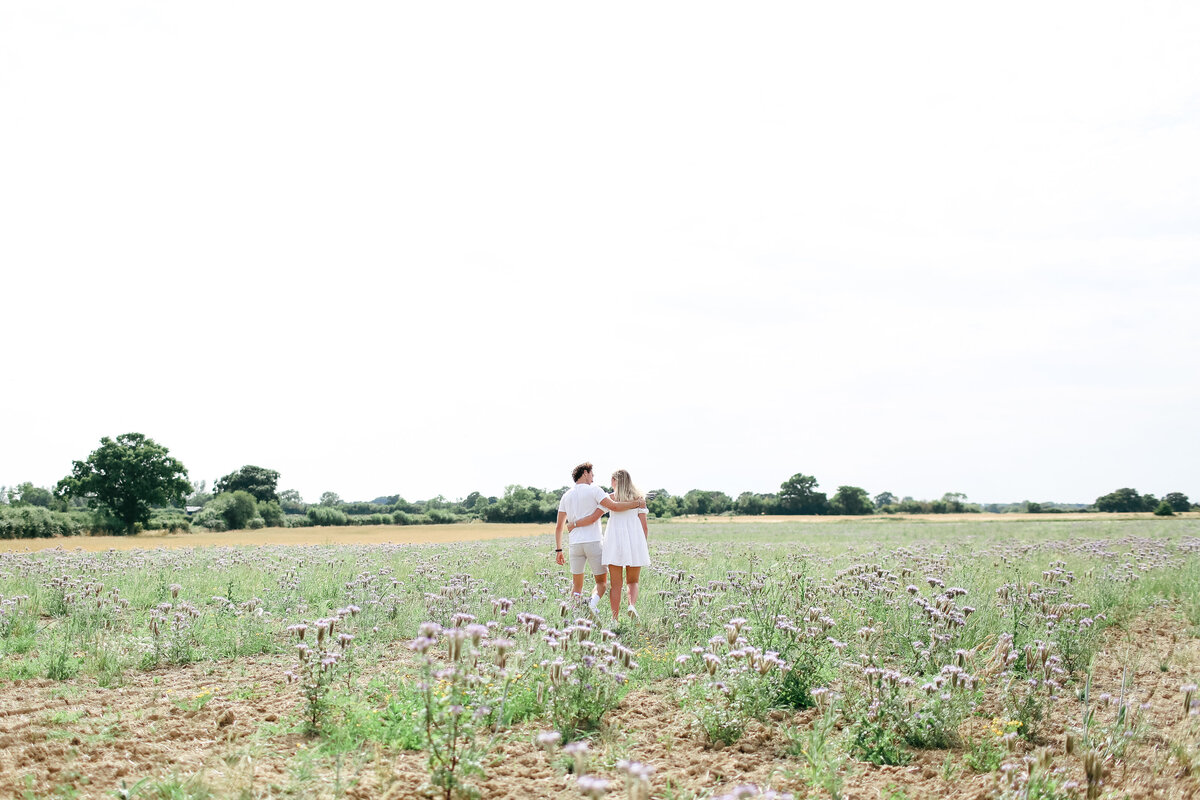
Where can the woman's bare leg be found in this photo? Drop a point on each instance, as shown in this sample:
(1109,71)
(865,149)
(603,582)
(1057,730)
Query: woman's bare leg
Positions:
(614,591)
(632,574)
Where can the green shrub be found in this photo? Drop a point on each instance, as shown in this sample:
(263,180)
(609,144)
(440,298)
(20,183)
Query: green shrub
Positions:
(103,523)
(28,522)
(271,513)
(210,518)
(229,511)
(326,515)
(168,521)
(238,508)
(1164,510)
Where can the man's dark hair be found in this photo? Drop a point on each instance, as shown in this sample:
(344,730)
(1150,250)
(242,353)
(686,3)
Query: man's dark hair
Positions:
(577,473)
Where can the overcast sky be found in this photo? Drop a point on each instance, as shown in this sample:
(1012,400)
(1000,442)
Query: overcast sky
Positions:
(426,248)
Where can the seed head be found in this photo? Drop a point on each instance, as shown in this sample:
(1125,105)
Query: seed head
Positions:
(548,741)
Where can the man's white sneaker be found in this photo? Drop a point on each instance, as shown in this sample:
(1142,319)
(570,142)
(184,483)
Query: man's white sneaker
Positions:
(594,603)
(633,613)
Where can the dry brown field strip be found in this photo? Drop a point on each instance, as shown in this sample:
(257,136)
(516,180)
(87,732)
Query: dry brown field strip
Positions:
(350,534)
(477,531)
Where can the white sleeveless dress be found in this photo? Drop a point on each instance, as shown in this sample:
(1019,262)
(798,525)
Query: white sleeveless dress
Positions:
(624,542)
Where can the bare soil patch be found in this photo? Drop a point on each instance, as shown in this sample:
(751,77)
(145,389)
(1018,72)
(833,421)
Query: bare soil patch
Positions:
(77,734)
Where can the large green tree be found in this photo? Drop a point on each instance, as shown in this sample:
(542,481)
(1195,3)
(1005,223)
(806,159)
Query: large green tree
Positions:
(238,508)
(706,501)
(884,499)
(523,504)
(799,495)
(752,503)
(851,500)
(258,481)
(291,502)
(1178,501)
(661,503)
(1125,500)
(127,476)
(29,495)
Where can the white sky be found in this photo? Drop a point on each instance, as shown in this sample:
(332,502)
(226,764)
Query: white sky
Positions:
(441,247)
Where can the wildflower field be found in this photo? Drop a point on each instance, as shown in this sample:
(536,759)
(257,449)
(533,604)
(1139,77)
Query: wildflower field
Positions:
(874,659)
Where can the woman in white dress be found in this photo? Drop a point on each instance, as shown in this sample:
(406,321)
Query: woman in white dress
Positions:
(625,549)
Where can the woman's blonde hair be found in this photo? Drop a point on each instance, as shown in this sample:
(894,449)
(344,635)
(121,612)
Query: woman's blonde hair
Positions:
(623,488)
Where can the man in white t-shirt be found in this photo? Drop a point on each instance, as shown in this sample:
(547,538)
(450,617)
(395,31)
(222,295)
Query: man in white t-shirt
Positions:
(578,502)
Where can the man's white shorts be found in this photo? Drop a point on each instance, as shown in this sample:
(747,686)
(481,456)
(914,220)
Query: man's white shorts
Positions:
(587,553)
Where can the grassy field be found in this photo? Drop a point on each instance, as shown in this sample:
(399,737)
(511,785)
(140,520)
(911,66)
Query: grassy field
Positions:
(968,657)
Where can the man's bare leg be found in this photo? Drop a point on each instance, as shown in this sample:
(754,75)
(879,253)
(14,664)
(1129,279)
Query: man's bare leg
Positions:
(598,592)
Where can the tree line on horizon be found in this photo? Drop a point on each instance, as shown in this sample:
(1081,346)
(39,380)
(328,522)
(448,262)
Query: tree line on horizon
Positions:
(131,483)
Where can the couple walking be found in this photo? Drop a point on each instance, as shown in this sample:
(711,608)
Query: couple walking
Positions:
(620,552)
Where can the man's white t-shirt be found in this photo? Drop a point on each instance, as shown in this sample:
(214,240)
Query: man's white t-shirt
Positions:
(579,501)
